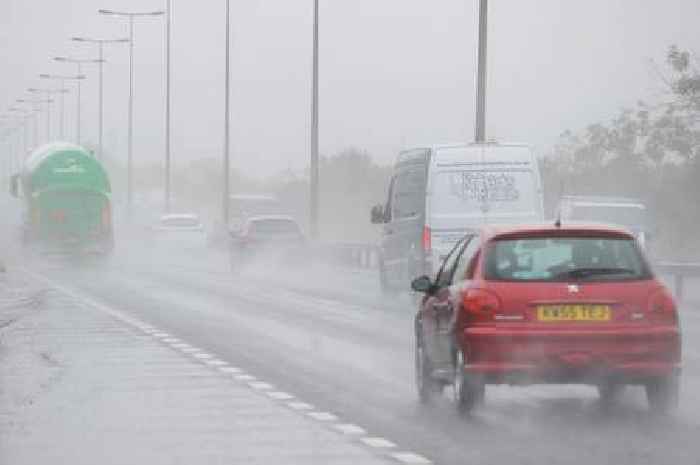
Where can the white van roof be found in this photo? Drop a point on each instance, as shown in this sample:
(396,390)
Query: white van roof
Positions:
(510,152)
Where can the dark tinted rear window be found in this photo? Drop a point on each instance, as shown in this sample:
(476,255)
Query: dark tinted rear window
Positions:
(565,259)
(276,226)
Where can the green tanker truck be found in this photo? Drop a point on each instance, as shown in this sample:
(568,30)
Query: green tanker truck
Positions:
(66,192)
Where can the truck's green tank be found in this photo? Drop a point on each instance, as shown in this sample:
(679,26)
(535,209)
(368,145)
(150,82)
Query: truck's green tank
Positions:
(67,194)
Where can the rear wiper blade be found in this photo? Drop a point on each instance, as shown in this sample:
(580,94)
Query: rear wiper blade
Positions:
(586,272)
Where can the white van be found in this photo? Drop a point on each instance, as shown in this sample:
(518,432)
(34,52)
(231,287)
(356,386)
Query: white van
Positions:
(438,192)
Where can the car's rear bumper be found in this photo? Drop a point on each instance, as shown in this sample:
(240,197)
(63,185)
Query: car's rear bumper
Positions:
(634,355)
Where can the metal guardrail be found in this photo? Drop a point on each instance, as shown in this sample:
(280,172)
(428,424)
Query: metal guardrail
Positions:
(352,255)
(366,256)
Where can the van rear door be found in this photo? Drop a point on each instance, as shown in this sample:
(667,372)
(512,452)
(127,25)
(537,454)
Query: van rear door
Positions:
(473,185)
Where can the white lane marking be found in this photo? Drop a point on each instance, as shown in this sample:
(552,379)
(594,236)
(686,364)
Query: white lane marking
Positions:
(259,385)
(216,363)
(405,457)
(300,405)
(349,428)
(411,458)
(229,370)
(378,443)
(278,395)
(171,340)
(322,416)
(203,356)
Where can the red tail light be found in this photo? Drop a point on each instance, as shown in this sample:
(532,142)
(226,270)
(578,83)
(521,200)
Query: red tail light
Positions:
(662,307)
(427,239)
(480,305)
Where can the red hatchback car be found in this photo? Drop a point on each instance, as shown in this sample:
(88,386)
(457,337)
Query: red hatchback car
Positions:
(547,304)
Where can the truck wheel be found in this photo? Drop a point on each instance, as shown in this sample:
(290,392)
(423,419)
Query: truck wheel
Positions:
(663,394)
(468,391)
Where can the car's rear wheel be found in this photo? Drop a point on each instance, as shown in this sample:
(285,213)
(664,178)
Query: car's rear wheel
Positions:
(468,390)
(663,394)
(426,386)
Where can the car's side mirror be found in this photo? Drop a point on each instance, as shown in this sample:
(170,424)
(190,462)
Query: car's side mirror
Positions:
(377,214)
(14,185)
(422,284)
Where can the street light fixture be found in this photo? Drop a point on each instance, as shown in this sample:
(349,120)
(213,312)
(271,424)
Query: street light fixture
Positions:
(62,79)
(100,48)
(130,16)
(48,102)
(79,62)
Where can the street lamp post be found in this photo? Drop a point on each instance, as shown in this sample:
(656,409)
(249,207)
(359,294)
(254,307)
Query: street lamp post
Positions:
(227,120)
(130,16)
(79,62)
(100,60)
(62,79)
(480,126)
(314,175)
(168,25)
(36,109)
(48,102)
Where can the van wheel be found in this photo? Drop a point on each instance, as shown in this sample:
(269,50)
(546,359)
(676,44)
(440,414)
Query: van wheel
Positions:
(663,394)
(384,284)
(426,386)
(468,391)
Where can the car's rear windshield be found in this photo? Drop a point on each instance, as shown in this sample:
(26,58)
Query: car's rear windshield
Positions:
(565,259)
(273,226)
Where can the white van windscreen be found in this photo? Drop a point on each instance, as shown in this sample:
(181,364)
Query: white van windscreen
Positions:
(479,192)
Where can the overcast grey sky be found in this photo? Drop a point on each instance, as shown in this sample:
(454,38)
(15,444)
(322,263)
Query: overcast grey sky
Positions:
(392,72)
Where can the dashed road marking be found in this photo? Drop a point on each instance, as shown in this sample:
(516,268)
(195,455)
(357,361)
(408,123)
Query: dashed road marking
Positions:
(278,395)
(261,386)
(410,458)
(322,416)
(216,363)
(229,369)
(296,405)
(349,428)
(378,443)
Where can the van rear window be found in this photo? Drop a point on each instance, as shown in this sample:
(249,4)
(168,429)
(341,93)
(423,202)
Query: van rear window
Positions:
(565,259)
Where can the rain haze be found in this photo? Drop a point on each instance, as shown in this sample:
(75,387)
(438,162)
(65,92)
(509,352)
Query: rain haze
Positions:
(411,281)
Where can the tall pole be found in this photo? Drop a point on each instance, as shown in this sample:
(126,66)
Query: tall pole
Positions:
(129,181)
(77,118)
(168,21)
(100,103)
(314,184)
(48,119)
(227,102)
(480,126)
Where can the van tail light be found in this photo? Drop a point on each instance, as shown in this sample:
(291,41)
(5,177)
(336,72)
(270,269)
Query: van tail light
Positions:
(427,239)
(662,307)
(480,305)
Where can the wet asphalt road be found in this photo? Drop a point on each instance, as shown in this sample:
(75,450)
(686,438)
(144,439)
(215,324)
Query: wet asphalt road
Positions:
(328,337)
